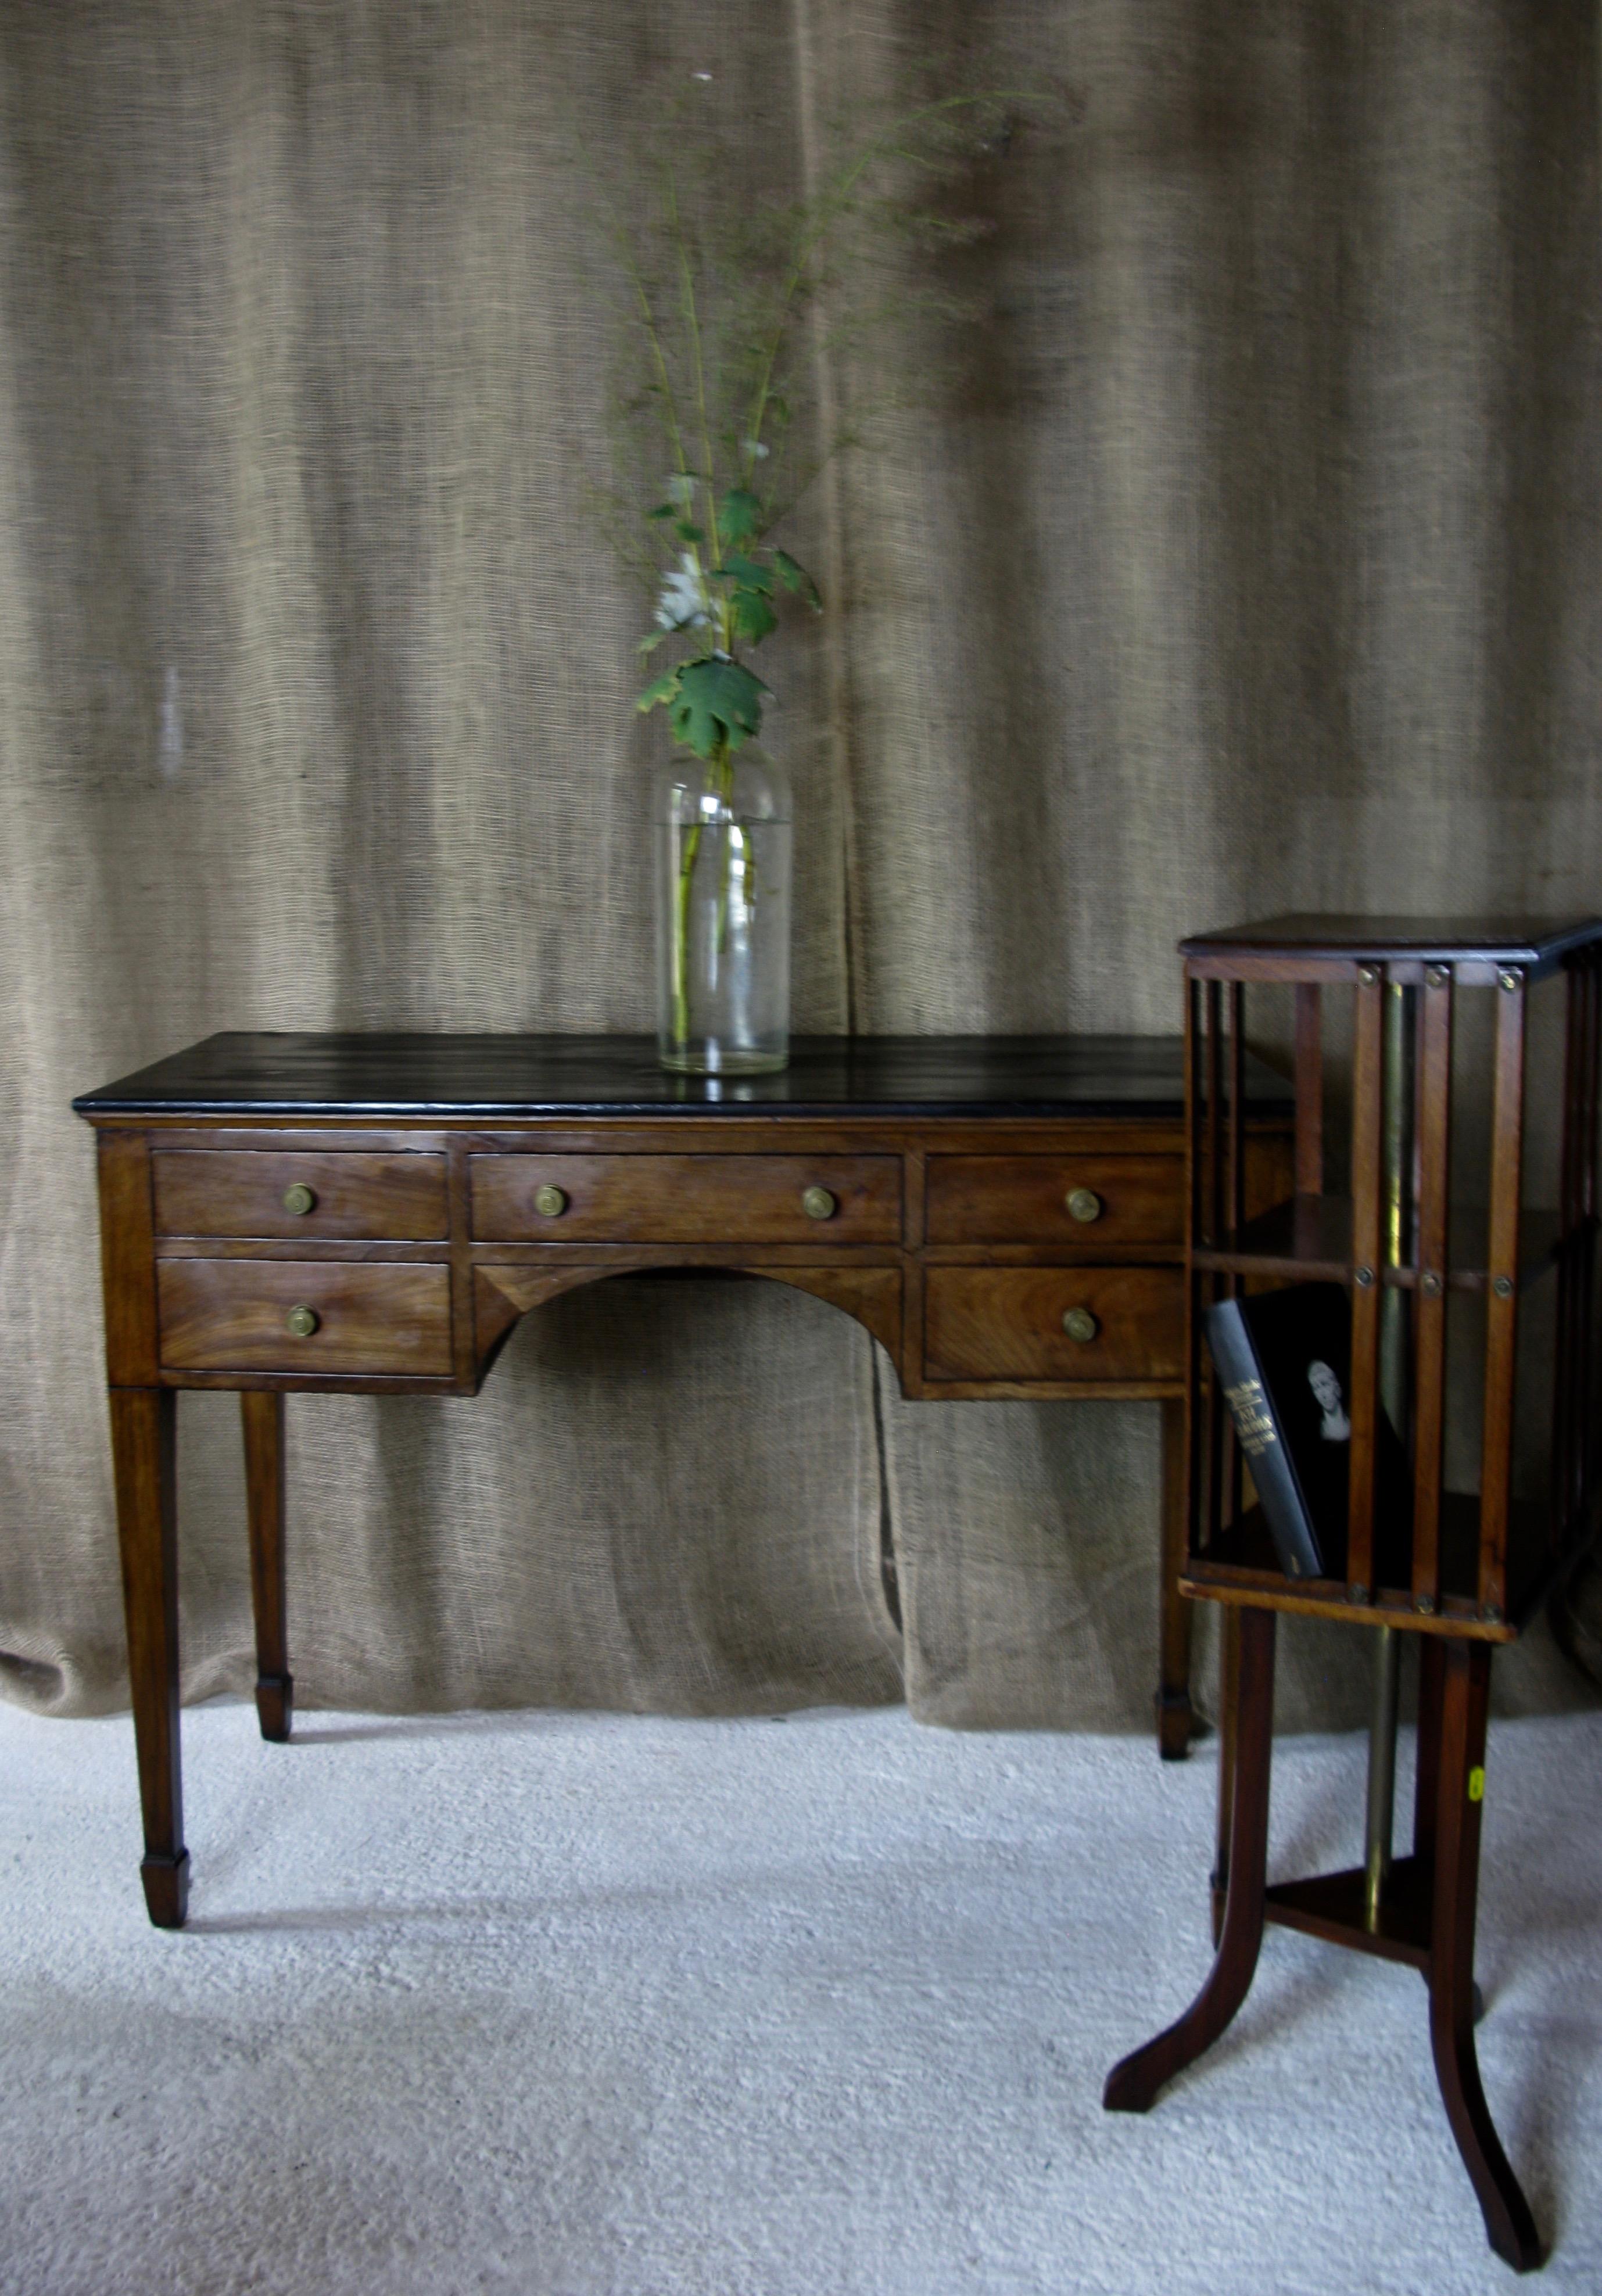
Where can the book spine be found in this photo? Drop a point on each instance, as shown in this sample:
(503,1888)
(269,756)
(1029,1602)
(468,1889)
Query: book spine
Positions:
(1240,1375)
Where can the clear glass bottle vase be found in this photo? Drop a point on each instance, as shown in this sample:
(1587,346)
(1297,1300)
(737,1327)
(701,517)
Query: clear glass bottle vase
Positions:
(722,835)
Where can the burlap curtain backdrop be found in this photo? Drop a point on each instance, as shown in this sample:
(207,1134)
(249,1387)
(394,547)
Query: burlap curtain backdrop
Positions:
(1249,560)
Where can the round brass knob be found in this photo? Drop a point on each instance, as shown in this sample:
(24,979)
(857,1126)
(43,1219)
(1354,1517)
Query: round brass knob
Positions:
(302,1321)
(299,1198)
(818,1203)
(1080,1325)
(1083,1204)
(550,1201)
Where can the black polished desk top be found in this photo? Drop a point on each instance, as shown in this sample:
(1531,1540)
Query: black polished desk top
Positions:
(506,1076)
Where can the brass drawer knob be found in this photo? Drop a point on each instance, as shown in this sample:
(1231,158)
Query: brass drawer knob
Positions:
(550,1201)
(300,1198)
(819,1203)
(1080,1325)
(1083,1204)
(302,1321)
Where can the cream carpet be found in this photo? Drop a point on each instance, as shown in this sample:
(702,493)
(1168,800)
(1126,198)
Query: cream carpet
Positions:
(569,2004)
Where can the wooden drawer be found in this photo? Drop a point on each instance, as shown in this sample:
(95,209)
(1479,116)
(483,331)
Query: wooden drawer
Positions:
(1006,1323)
(1025,1200)
(228,1192)
(685,1199)
(232,1315)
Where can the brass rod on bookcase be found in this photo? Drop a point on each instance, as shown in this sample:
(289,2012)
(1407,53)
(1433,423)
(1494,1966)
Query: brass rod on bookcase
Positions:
(1429,1364)
(1367,1148)
(1501,1299)
(1309,1090)
(1397,1149)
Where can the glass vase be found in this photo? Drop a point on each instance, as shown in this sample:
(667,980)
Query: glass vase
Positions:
(722,835)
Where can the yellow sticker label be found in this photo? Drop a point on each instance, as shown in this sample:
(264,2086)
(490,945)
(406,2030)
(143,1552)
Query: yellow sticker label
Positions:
(1477,1784)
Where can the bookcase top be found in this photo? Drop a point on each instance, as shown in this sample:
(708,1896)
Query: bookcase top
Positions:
(1532,941)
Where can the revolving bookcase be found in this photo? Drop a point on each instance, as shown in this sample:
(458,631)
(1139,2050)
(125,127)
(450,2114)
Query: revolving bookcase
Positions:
(1459,1315)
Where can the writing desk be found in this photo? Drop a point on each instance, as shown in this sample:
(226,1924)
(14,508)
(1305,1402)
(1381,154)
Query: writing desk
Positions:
(373,1213)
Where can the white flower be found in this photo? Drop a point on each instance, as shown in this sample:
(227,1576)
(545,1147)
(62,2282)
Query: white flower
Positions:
(756,450)
(681,490)
(683,604)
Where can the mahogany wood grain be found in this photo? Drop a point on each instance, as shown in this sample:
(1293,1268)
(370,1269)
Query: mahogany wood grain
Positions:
(229,1315)
(668,1199)
(126,1259)
(1024,1199)
(871,1295)
(1465,1683)
(262,1417)
(1176,1715)
(1433,1165)
(1006,1323)
(224,1192)
(143,1455)
(1133,2085)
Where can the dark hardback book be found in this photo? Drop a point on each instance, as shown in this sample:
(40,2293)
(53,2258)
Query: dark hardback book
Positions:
(1284,1361)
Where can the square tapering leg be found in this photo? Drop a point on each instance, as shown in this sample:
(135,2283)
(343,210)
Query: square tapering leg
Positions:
(262,1415)
(144,1450)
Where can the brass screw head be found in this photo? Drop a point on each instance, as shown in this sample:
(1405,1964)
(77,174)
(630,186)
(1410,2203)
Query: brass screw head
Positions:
(299,1198)
(1357,1592)
(819,1203)
(1080,1326)
(1363,1277)
(1430,1284)
(302,1321)
(1367,974)
(1083,1204)
(1507,980)
(1502,1285)
(1438,976)
(1494,1614)
(1424,1604)
(550,1201)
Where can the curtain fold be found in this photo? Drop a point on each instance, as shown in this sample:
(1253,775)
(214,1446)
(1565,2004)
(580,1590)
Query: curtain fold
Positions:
(1243,556)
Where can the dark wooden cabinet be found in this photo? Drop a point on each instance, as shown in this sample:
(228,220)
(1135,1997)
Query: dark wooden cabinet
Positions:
(374,1213)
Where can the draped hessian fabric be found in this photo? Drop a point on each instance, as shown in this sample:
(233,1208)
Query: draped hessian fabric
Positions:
(1245,557)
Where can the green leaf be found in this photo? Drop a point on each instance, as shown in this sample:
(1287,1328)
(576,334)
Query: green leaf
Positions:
(796,578)
(753,616)
(660,689)
(739,514)
(717,702)
(662,509)
(686,529)
(738,568)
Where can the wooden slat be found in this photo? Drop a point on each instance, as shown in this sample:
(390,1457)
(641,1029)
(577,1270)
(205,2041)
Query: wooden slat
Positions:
(1309,1090)
(1501,1306)
(1367,1214)
(1434,1199)
(1197,1531)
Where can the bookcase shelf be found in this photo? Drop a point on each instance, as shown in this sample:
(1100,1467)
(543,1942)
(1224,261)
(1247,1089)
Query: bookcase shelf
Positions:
(1457,1574)
(1308,1239)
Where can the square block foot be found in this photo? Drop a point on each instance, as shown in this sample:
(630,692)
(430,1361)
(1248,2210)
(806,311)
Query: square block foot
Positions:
(166,1890)
(275,1705)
